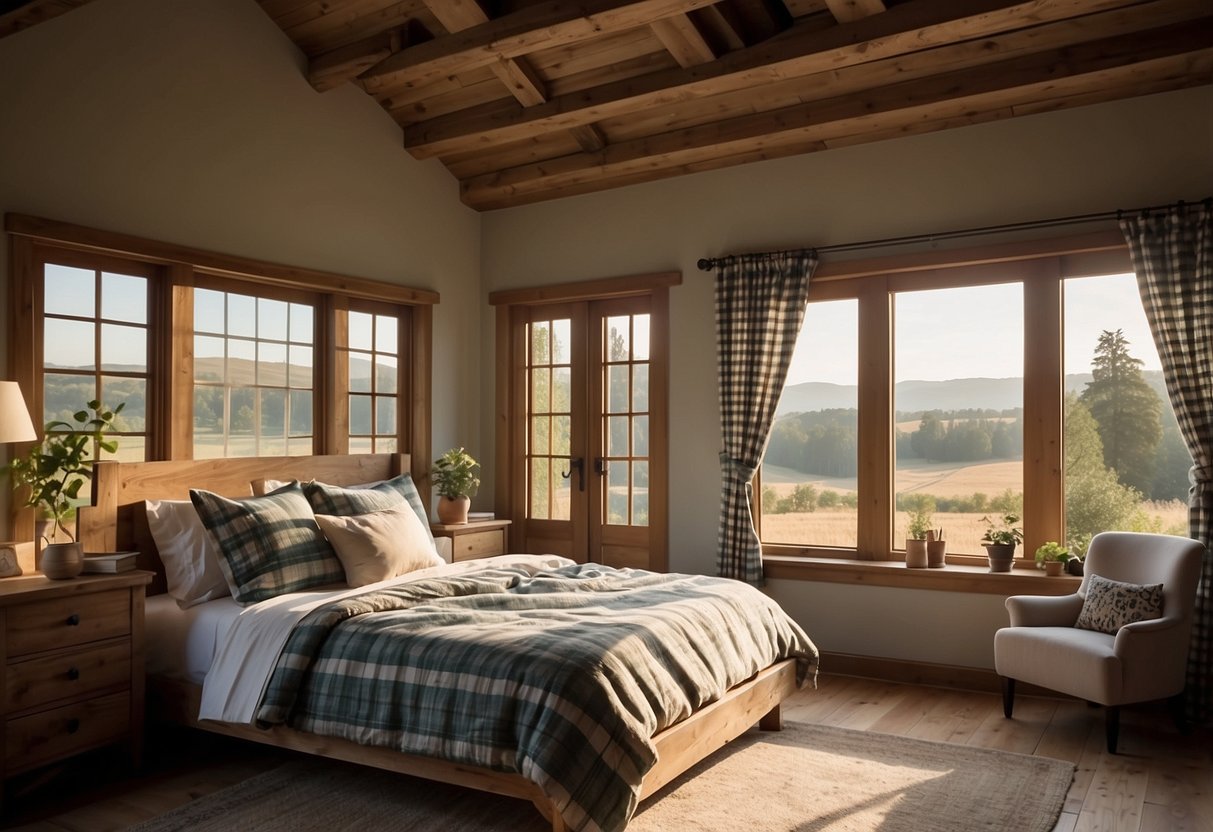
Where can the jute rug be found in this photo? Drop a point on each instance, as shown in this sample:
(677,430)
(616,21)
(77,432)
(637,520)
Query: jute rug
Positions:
(803,779)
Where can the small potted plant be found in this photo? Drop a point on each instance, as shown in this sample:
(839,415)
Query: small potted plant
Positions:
(455,481)
(54,470)
(1052,557)
(1001,538)
(916,540)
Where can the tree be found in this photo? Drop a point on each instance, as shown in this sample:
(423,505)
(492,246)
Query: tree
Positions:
(1126,410)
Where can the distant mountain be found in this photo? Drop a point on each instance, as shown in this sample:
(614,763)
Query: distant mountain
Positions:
(953,394)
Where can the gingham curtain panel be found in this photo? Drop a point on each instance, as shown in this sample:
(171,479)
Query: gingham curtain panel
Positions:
(760,305)
(1173,257)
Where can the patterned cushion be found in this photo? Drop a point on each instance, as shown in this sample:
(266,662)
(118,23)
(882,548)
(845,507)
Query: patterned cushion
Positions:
(268,545)
(1110,605)
(345,502)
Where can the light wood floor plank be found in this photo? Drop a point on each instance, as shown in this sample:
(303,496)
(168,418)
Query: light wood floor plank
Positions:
(1020,734)
(1117,795)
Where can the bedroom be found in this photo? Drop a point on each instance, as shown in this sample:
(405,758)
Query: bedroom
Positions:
(191,125)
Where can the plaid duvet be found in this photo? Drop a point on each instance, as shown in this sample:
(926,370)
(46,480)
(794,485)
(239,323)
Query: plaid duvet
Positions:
(562,676)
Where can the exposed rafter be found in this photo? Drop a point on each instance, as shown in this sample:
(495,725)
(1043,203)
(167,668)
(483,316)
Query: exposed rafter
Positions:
(17,16)
(845,11)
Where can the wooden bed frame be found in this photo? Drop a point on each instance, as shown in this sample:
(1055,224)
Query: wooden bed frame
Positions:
(117,521)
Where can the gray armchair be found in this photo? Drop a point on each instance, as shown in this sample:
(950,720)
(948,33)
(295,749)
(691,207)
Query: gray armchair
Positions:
(1142,661)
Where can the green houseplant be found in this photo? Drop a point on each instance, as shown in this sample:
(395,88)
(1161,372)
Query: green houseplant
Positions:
(1052,557)
(916,536)
(1001,537)
(455,480)
(54,471)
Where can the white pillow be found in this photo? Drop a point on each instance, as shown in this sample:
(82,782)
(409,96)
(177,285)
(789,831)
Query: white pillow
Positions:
(379,545)
(189,554)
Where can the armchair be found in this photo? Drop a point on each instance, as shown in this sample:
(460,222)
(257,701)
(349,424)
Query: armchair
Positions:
(1140,662)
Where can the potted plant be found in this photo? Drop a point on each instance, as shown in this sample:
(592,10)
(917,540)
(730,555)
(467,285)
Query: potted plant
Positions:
(455,481)
(1052,557)
(1078,553)
(916,540)
(1001,538)
(937,549)
(54,470)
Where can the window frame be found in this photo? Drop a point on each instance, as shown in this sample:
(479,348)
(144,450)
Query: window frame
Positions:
(1041,266)
(174,271)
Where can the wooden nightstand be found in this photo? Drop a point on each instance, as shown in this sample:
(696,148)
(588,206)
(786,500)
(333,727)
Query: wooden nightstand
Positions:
(71,662)
(481,539)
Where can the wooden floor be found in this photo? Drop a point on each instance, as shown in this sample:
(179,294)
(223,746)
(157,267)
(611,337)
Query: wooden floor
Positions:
(1159,780)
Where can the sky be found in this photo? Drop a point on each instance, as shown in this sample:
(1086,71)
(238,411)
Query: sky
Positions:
(953,333)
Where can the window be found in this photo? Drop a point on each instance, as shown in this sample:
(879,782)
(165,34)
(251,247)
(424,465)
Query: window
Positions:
(374,368)
(962,389)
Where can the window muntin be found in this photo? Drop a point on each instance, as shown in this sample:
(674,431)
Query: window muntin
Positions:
(1126,465)
(374,374)
(253,375)
(958,409)
(811,466)
(549,372)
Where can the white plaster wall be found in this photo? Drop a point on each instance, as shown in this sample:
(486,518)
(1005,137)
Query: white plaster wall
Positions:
(1126,154)
(191,122)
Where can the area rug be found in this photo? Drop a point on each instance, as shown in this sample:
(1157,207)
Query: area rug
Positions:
(806,778)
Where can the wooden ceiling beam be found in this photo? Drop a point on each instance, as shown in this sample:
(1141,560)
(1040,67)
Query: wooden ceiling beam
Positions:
(332,69)
(25,15)
(847,11)
(800,51)
(518,76)
(541,26)
(679,35)
(1178,55)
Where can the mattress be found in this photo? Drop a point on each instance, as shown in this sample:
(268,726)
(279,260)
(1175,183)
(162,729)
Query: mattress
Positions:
(181,644)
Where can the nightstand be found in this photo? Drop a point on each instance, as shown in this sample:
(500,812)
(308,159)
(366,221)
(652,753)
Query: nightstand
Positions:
(481,539)
(71,661)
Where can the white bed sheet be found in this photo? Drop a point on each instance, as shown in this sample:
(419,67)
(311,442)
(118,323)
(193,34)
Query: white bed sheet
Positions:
(181,644)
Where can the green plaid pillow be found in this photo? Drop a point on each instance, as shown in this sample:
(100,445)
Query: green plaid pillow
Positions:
(269,545)
(347,502)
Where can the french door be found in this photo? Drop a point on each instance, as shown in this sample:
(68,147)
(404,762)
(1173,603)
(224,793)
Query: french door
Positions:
(586,408)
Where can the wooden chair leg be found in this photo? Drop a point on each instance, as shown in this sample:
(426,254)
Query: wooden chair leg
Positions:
(1112,726)
(1008,696)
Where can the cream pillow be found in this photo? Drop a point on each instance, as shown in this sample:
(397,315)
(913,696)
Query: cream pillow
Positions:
(379,545)
(188,552)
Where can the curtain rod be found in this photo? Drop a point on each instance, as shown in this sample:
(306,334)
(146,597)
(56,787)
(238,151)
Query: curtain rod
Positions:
(708,263)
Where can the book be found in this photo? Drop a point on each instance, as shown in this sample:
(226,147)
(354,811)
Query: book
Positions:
(480,516)
(104,562)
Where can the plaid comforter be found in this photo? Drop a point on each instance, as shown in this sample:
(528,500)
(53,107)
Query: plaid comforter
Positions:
(561,675)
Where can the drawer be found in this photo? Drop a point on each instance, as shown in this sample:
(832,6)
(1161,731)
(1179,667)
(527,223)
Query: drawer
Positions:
(66,622)
(66,674)
(478,544)
(61,732)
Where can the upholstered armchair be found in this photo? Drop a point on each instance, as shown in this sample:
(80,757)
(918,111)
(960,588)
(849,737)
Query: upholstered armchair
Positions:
(1079,644)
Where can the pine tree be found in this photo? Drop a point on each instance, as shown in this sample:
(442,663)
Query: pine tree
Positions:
(1126,410)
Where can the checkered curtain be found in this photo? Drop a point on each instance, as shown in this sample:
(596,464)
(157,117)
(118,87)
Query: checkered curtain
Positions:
(1173,257)
(760,304)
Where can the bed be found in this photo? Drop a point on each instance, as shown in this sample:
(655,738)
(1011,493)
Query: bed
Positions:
(117,521)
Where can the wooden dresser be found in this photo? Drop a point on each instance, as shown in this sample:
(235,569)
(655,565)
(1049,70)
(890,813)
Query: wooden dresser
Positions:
(481,539)
(72,665)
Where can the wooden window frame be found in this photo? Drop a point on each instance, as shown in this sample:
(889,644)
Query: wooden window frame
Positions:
(176,270)
(1041,266)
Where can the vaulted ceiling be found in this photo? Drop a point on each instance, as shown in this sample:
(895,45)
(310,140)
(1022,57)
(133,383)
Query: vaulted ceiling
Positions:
(525,100)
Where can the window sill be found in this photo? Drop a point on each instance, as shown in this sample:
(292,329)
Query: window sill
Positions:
(951,578)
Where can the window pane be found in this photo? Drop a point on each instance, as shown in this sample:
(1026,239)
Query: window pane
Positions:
(958,403)
(640,436)
(385,445)
(302,317)
(386,373)
(541,427)
(617,493)
(640,494)
(208,413)
(130,449)
(361,445)
(360,415)
(809,473)
(541,398)
(640,387)
(271,319)
(123,348)
(617,387)
(618,339)
(63,395)
(617,436)
(68,344)
(541,352)
(562,490)
(241,362)
(561,432)
(301,367)
(131,392)
(208,358)
(640,337)
(208,311)
(360,331)
(273,423)
(124,298)
(69,291)
(271,364)
(241,315)
(540,487)
(304,447)
(385,416)
(1126,465)
(562,389)
(386,334)
(360,373)
(301,412)
(562,341)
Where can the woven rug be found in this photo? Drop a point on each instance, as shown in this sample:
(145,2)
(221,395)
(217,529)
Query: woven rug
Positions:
(802,779)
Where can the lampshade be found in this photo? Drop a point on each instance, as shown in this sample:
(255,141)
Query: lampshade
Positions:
(15,423)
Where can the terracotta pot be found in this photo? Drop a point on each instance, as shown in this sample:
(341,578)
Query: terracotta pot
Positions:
(61,561)
(453,512)
(916,554)
(1002,557)
(1053,567)
(937,553)
(1074,567)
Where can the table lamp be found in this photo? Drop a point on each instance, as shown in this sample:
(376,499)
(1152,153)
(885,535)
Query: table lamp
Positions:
(15,426)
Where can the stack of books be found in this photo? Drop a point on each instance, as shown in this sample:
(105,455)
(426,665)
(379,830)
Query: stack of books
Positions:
(480,516)
(110,562)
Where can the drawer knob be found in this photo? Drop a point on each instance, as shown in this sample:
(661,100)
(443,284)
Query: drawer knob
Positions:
(73,673)
(73,725)
(73,620)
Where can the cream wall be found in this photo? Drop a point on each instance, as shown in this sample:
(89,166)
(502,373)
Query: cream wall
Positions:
(190,122)
(1126,154)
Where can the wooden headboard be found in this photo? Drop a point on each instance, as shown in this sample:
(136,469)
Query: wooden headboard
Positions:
(117,521)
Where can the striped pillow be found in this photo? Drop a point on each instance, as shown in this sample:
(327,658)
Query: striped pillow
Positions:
(363,499)
(268,545)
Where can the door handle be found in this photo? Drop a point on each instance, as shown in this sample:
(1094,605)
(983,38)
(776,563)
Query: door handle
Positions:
(600,465)
(576,464)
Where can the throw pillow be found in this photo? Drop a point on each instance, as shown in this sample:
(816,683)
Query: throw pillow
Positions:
(1110,605)
(188,552)
(268,545)
(380,544)
(359,499)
